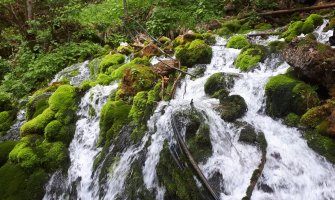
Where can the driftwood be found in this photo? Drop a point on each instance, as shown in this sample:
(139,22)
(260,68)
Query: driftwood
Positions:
(278,12)
(174,86)
(175,68)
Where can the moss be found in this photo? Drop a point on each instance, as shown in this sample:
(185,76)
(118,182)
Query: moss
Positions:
(314,116)
(195,52)
(5,148)
(224,31)
(200,145)
(308,27)
(16,184)
(263,26)
(127,50)
(314,19)
(292,119)
(238,42)
(25,153)
(141,110)
(249,57)
(179,183)
(322,127)
(248,135)
(7,119)
(218,82)
(37,125)
(64,103)
(55,155)
(104,79)
(285,95)
(36,105)
(233,25)
(52,130)
(94,68)
(276,46)
(232,108)
(164,40)
(323,145)
(111,60)
(114,114)
(86,85)
(209,38)
(293,30)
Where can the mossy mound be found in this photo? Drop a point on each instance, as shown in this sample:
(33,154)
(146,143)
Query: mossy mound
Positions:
(323,145)
(111,61)
(5,148)
(219,82)
(238,42)
(249,57)
(285,95)
(209,38)
(114,114)
(37,125)
(125,49)
(292,119)
(299,27)
(232,108)
(248,134)
(195,52)
(32,152)
(141,110)
(179,183)
(276,46)
(17,184)
(36,105)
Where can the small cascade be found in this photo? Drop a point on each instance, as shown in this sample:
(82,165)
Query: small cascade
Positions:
(76,74)
(83,148)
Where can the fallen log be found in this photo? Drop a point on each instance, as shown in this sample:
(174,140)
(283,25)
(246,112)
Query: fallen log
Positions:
(278,12)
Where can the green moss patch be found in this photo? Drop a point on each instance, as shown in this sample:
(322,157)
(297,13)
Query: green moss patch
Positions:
(111,60)
(5,148)
(195,52)
(238,42)
(285,95)
(323,145)
(219,82)
(7,119)
(114,115)
(249,57)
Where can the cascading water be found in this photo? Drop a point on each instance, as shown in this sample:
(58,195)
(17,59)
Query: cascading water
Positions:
(75,73)
(83,148)
(292,170)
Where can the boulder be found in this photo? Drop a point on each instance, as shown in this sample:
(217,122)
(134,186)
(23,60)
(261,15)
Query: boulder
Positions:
(312,60)
(162,68)
(219,82)
(232,108)
(150,50)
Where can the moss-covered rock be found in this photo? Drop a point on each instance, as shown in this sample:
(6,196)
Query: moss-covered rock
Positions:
(249,57)
(238,42)
(36,105)
(248,134)
(5,148)
(125,49)
(104,79)
(298,27)
(114,114)
(323,145)
(232,108)
(37,125)
(16,184)
(179,183)
(111,60)
(286,95)
(195,52)
(292,119)
(276,46)
(218,82)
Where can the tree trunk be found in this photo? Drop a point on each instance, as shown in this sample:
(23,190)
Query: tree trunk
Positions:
(29,10)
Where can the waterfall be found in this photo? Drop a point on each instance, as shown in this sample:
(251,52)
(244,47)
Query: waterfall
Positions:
(75,73)
(292,170)
(83,148)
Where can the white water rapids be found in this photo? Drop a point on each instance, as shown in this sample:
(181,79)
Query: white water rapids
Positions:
(293,171)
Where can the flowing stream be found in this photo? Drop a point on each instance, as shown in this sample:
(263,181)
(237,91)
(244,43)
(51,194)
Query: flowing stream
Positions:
(292,171)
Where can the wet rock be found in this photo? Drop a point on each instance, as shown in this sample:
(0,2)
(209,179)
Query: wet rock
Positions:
(219,81)
(265,188)
(248,134)
(215,24)
(312,60)
(276,155)
(215,181)
(232,108)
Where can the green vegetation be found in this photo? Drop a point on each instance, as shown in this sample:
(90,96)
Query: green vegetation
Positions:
(321,144)
(219,82)
(5,148)
(299,27)
(249,57)
(111,61)
(195,52)
(292,119)
(285,94)
(238,42)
